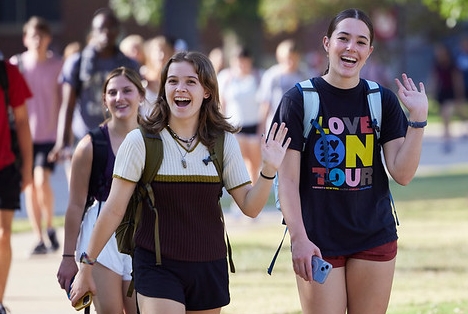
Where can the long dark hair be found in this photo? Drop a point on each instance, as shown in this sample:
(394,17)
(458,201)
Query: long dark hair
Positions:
(211,122)
(354,14)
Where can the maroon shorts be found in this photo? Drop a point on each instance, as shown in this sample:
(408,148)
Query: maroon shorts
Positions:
(382,253)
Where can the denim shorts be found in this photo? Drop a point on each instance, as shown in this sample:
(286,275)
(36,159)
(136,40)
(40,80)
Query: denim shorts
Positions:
(197,285)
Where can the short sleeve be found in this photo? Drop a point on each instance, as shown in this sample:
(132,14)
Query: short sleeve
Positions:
(130,158)
(235,172)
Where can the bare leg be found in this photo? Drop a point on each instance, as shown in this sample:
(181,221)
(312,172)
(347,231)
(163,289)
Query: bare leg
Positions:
(6,221)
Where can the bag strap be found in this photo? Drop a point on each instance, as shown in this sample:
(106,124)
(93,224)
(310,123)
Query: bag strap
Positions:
(153,160)
(374,100)
(99,163)
(217,157)
(311,106)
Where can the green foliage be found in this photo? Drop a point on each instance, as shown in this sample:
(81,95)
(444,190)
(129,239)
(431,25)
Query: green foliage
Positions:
(143,11)
(452,11)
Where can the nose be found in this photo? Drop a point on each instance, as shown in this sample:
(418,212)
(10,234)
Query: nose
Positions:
(119,95)
(181,88)
(351,47)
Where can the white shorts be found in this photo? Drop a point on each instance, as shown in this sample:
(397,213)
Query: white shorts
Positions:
(110,256)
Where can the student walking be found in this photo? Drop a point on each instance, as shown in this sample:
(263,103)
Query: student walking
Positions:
(193,274)
(41,68)
(82,76)
(122,94)
(335,195)
(13,180)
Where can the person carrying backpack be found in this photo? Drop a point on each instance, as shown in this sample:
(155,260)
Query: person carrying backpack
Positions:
(334,194)
(192,274)
(122,94)
(14,92)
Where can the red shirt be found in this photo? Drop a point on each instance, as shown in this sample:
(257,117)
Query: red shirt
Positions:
(18,91)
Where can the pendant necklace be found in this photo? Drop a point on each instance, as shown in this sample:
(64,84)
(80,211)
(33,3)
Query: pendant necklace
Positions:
(183,161)
(188,142)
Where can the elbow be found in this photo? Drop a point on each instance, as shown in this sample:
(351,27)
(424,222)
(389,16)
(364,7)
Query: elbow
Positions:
(253,213)
(403,180)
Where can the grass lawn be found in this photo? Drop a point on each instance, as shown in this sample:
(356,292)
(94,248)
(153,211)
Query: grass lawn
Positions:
(432,265)
(432,270)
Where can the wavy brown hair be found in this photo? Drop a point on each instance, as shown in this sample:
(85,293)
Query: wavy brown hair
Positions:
(211,122)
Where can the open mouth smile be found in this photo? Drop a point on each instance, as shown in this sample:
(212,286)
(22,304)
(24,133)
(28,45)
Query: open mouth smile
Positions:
(182,101)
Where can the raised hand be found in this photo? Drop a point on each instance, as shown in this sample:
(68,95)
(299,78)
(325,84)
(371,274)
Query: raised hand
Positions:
(413,99)
(274,146)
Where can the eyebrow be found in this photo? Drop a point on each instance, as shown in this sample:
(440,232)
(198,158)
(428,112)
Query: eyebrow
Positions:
(188,76)
(348,34)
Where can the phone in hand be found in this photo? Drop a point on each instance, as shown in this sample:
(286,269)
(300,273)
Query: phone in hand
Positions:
(84,301)
(320,269)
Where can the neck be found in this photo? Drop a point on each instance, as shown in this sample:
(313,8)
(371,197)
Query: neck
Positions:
(121,128)
(188,140)
(341,82)
(184,129)
(38,55)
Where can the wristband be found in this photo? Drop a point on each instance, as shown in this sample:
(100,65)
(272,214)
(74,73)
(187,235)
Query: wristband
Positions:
(68,255)
(266,177)
(85,259)
(417,125)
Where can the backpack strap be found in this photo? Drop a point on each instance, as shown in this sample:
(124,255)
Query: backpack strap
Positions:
(153,160)
(311,106)
(217,157)
(99,163)
(374,100)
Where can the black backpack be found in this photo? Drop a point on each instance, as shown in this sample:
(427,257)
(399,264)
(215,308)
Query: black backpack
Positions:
(97,180)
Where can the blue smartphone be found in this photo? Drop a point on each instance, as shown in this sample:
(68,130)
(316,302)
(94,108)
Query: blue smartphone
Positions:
(320,269)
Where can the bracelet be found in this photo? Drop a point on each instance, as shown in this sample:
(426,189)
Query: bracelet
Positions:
(266,177)
(417,125)
(85,259)
(68,255)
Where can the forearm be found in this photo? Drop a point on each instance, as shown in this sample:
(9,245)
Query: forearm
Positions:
(407,160)
(257,196)
(291,209)
(26,149)
(73,218)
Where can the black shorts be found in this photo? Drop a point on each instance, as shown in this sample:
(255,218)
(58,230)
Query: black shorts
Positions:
(40,156)
(10,188)
(197,285)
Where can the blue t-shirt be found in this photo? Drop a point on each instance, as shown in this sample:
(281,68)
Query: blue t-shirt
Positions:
(344,190)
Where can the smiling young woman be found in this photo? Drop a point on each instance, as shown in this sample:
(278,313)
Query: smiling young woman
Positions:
(335,195)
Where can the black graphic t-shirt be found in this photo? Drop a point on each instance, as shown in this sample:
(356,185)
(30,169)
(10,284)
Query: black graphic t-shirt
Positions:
(345,196)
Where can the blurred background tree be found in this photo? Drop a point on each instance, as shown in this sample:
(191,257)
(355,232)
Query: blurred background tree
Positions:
(404,28)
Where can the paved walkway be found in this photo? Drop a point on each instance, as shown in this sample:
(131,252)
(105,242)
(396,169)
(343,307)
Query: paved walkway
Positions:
(33,289)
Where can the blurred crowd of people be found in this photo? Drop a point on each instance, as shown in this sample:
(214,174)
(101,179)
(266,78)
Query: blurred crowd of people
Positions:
(449,86)
(66,101)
